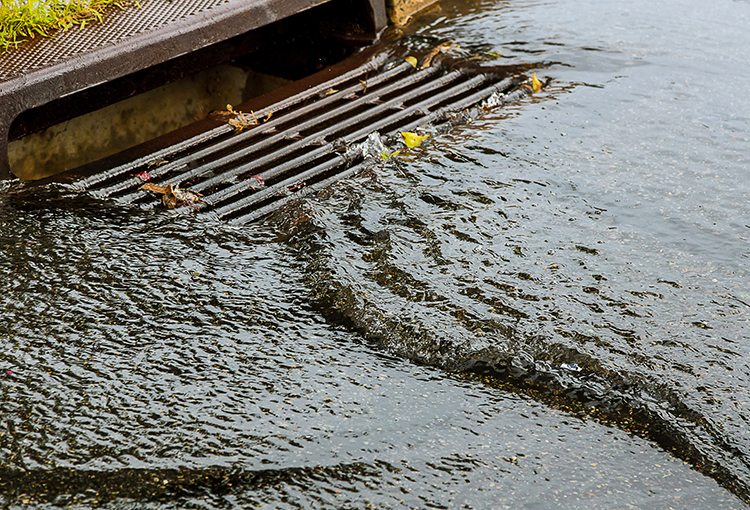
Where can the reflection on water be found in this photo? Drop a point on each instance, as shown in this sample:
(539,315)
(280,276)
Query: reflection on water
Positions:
(171,362)
(581,254)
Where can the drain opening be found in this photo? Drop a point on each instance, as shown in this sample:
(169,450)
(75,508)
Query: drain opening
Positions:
(127,123)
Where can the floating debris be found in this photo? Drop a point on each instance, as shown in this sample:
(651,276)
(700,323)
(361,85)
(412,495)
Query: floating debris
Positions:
(573,367)
(156,162)
(237,119)
(413,139)
(173,197)
(145,176)
(535,86)
(440,48)
(241,120)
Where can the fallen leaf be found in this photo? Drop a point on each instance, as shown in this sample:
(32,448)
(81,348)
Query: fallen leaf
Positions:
(412,139)
(385,156)
(330,91)
(412,61)
(173,197)
(438,49)
(239,120)
(536,85)
(150,186)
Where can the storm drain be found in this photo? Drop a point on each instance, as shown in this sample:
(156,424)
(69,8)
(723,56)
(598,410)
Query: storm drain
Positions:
(259,160)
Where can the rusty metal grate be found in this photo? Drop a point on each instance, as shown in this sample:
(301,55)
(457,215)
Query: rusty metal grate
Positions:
(308,140)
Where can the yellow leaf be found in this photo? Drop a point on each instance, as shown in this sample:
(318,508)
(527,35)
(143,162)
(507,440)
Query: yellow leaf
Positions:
(385,156)
(536,85)
(412,139)
(412,61)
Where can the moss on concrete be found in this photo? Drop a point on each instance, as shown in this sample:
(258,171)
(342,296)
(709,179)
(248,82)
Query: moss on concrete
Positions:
(21,20)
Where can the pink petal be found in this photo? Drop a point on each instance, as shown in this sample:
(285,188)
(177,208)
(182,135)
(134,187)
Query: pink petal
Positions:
(144,176)
(260,179)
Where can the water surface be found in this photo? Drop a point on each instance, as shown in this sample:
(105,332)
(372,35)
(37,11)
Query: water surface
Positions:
(545,308)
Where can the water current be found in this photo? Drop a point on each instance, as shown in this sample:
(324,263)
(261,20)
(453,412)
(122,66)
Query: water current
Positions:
(546,308)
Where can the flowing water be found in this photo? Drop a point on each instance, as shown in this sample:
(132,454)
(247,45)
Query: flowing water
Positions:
(545,308)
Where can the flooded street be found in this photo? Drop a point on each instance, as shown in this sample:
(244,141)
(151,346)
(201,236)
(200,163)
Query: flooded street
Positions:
(546,308)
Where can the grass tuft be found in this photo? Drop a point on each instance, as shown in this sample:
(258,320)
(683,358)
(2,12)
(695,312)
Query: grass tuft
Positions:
(21,20)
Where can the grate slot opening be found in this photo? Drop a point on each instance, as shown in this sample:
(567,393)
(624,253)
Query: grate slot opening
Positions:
(307,179)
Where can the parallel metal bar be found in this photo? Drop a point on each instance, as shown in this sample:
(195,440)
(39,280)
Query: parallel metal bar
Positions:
(269,174)
(353,105)
(453,91)
(277,188)
(243,153)
(332,130)
(471,100)
(263,211)
(131,166)
(457,90)
(371,66)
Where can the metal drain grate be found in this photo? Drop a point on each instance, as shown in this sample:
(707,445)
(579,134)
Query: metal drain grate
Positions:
(305,142)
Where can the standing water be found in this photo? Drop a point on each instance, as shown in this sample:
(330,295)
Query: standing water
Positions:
(545,308)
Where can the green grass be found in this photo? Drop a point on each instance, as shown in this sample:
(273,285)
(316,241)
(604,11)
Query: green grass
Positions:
(21,20)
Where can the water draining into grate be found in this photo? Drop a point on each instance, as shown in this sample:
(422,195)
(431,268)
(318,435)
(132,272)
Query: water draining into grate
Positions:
(309,140)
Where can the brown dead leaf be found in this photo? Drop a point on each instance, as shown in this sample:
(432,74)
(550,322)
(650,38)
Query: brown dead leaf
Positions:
(173,196)
(440,48)
(150,186)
